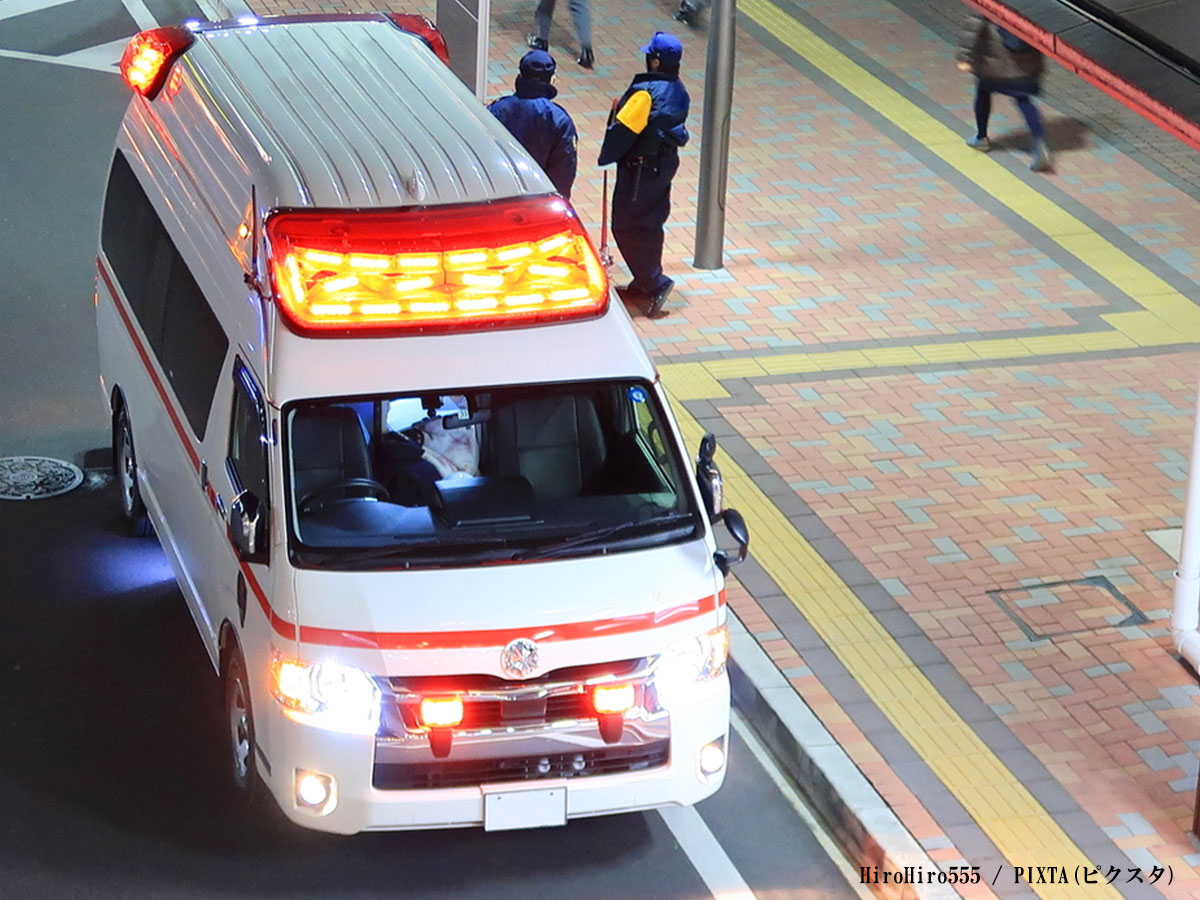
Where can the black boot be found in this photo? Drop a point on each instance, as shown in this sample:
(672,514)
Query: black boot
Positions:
(657,299)
(688,14)
(586,59)
(536,43)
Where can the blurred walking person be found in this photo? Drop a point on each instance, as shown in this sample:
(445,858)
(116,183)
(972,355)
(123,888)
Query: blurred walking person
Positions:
(644,135)
(542,126)
(1002,63)
(581,16)
(689,12)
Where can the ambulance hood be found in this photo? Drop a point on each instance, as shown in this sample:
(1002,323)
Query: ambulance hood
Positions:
(593,609)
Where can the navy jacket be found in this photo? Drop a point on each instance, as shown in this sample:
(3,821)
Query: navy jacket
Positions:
(543,127)
(649,119)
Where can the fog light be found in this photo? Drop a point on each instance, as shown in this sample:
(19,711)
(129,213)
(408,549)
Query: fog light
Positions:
(315,791)
(712,758)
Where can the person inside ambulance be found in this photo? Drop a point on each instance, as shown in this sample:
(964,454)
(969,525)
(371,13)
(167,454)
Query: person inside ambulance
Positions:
(453,452)
(416,452)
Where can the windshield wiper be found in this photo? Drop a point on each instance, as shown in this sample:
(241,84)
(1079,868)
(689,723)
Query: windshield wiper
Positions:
(597,535)
(460,550)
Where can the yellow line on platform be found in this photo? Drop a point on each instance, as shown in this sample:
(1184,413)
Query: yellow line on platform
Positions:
(1011,817)
(1003,808)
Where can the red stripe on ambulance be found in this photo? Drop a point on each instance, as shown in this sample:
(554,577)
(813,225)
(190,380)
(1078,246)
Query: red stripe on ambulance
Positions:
(498,637)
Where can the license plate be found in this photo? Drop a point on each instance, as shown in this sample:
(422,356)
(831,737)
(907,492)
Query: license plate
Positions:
(534,808)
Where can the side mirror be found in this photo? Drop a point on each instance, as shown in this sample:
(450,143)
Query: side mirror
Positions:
(248,527)
(708,477)
(737,528)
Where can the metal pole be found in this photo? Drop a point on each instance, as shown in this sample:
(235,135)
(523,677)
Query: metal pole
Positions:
(714,149)
(1185,609)
(483,13)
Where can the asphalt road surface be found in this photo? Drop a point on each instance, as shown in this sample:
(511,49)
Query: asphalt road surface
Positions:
(112,780)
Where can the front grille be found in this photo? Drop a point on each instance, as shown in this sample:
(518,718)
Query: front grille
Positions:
(440,684)
(467,772)
(480,714)
(495,703)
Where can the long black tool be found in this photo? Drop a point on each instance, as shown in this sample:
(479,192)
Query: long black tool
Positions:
(606,257)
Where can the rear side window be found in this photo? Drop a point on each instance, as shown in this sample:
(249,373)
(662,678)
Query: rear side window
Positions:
(180,326)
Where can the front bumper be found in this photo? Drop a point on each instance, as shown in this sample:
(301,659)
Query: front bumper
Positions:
(657,762)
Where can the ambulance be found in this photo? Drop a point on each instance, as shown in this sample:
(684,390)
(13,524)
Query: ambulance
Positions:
(410,465)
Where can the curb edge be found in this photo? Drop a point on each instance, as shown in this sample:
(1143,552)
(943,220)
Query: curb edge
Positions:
(861,821)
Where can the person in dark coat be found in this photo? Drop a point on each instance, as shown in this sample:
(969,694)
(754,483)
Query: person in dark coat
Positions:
(542,126)
(1002,63)
(644,135)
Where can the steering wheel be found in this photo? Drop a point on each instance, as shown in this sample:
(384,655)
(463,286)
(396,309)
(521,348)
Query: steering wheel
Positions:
(370,485)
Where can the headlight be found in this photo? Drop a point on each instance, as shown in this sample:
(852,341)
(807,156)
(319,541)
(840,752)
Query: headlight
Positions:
(690,661)
(326,695)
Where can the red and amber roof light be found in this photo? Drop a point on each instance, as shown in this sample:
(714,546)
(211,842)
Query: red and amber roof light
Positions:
(148,57)
(461,267)
(425,30)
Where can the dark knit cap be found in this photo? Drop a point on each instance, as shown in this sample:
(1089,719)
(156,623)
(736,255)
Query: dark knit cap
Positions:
(537,64)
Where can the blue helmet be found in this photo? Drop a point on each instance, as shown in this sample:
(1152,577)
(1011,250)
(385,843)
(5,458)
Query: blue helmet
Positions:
(665,47)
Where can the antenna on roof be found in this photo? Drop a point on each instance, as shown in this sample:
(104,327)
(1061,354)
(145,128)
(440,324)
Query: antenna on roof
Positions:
(251,277)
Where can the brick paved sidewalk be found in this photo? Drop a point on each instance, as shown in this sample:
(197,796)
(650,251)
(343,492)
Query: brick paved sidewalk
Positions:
(963,388)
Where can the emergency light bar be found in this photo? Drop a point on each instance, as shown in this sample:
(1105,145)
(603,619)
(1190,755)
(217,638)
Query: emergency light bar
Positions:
(504,263)
(149,55)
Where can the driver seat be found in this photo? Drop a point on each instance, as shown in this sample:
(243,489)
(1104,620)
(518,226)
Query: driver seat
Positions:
(328,446)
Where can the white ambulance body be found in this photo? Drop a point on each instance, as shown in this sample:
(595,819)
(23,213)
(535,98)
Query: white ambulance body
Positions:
(413,471)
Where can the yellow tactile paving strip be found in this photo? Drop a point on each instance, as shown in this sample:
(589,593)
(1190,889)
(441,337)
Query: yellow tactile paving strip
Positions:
(1002,807)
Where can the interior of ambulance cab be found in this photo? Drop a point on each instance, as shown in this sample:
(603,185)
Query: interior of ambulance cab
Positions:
(467,476)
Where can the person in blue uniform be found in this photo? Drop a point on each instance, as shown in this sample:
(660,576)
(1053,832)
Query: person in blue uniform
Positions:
(542,126)
(644,135)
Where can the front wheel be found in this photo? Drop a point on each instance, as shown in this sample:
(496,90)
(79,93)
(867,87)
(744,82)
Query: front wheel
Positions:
(125,462)
(239,721)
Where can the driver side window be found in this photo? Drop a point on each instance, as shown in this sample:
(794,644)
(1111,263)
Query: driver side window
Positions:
(247,439)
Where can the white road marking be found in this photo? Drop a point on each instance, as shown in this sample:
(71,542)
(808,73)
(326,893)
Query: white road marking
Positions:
(100,58)
(10,9)
(140,14)
(706,854)
(105,57)
(803,810)
(67,60)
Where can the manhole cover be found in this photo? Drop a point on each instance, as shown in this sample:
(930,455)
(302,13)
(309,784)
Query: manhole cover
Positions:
(1064,608)
(35,477)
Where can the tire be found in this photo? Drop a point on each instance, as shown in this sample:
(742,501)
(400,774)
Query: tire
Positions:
(133,510)
(239,733)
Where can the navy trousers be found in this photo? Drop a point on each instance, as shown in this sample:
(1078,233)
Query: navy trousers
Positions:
(640,206)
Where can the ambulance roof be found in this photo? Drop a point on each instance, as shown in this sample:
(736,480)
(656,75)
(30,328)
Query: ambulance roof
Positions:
(354,112)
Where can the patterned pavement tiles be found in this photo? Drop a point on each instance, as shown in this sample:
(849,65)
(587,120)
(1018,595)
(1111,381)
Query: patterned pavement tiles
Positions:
(970,486)
(1114,186)
(842,725)
(946,484)
(1089,110)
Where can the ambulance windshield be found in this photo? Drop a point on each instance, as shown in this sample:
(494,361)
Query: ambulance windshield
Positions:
(457,477)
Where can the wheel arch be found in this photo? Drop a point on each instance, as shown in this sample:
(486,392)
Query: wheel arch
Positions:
(117,405)
(228,644)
